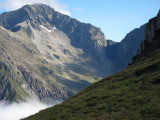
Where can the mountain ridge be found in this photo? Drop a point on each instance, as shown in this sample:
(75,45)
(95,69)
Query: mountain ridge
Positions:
(35,12)
(46,66)
(132,93)
(54,56)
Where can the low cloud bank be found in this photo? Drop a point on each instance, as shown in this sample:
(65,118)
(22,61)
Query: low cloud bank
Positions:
(17,111)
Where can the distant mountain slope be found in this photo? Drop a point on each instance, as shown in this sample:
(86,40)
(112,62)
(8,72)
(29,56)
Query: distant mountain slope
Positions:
(47,55)
(87,37)
(25,73)
(132,94)
(121,53)
(38,59)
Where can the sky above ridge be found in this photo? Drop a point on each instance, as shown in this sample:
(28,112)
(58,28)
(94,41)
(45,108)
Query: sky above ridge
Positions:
(115,17)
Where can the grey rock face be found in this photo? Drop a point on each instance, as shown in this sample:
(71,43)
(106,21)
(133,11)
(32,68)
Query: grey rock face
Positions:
(6,90)
(20,76)
(151,39)
(153,30)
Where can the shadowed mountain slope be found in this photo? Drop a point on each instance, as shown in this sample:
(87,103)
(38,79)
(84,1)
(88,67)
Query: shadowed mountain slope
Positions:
(121,53)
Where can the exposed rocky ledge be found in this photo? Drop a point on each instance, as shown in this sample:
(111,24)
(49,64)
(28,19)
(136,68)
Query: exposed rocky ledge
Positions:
(151,38)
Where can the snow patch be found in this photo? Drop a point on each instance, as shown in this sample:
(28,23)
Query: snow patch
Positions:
(46,28)
(54,28)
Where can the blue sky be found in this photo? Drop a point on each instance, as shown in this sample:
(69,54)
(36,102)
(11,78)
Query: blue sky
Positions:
(115,17)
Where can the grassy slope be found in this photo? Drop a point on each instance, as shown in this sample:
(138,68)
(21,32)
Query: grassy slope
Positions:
(132,94)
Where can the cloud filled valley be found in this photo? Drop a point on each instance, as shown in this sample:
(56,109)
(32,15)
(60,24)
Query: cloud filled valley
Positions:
(16,111)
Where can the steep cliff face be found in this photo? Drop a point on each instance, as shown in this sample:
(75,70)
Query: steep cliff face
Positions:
(151,38)
(153,30)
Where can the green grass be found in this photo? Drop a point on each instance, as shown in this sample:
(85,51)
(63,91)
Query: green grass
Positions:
(131,94)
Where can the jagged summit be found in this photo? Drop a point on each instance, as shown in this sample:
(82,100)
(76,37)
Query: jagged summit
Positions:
(35,14)
(41,13)
(38,9)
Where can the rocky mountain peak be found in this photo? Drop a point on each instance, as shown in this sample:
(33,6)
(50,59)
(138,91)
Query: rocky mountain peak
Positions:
(41,14)
(31,14)
(38,10)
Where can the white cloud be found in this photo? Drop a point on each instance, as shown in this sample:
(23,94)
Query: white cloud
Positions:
(15,4)
(16,111)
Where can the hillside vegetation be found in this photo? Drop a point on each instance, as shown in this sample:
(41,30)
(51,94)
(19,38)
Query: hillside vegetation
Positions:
(132,94)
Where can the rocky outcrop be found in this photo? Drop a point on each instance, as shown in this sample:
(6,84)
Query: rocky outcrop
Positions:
(41,91)
(7,91)
(151,39)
